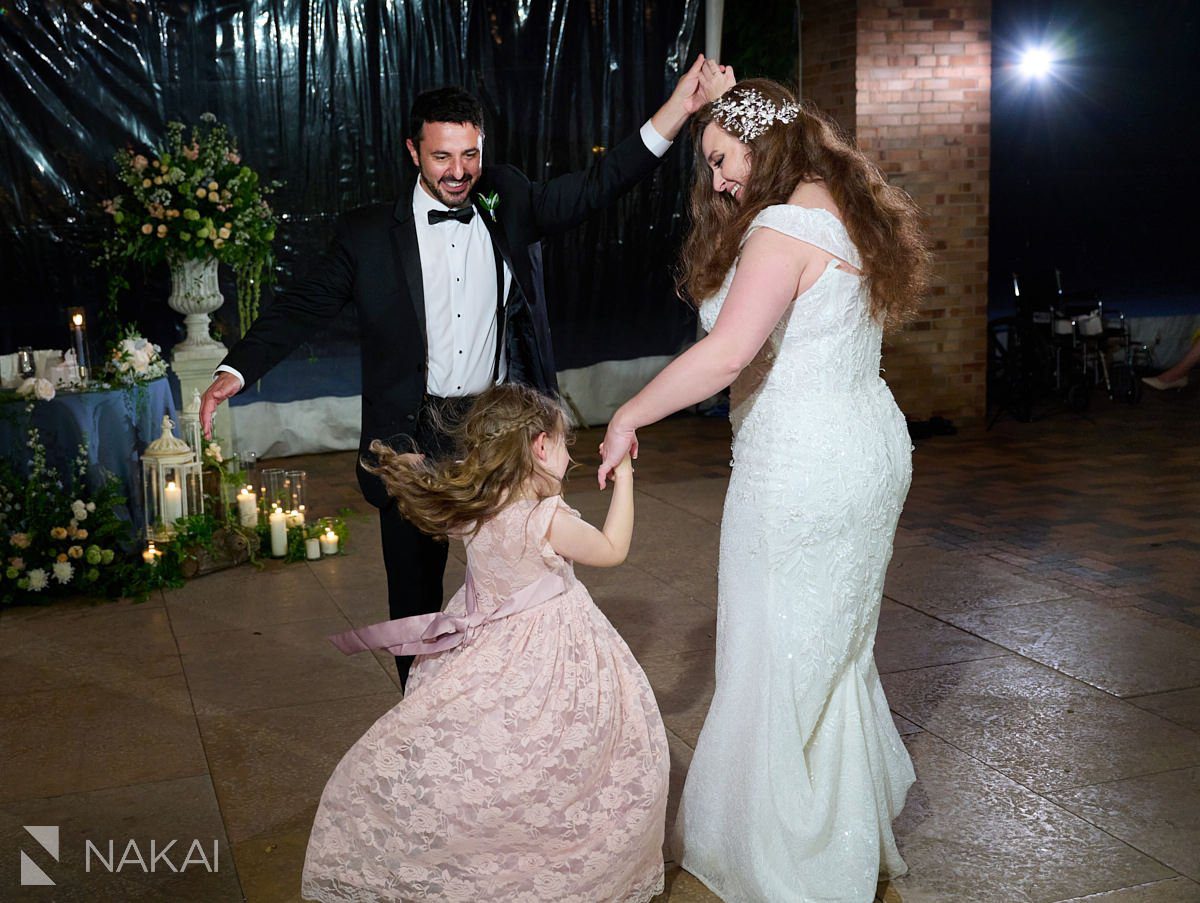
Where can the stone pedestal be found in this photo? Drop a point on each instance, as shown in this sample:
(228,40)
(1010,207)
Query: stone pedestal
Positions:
(194,365)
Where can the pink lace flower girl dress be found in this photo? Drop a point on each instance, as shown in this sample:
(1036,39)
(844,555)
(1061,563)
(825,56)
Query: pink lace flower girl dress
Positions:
(529,763)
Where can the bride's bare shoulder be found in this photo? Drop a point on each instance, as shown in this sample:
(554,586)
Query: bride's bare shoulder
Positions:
(814,194)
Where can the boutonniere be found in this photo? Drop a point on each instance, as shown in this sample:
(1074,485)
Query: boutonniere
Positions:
(490,202)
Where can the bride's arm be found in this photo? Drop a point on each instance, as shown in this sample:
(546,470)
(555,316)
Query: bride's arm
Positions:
(772,271)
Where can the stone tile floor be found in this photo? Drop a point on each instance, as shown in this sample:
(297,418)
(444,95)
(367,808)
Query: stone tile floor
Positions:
(1040,646)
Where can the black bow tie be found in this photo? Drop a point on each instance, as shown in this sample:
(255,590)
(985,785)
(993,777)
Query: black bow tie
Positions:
(458,214)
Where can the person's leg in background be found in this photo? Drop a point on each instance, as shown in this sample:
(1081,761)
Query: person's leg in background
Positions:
(1177,376)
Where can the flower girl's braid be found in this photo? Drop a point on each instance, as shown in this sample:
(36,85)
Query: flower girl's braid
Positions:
(494,462)
(529,424)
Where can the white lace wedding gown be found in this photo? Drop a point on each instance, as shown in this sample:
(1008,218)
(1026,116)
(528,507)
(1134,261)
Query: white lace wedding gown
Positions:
(799,769)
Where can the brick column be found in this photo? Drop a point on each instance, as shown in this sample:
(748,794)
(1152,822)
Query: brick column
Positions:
(922,112)
(829,47)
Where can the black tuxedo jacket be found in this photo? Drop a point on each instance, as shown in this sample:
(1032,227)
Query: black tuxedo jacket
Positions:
(374,263)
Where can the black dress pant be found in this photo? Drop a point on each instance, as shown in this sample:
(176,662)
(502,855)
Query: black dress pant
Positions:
(416,563)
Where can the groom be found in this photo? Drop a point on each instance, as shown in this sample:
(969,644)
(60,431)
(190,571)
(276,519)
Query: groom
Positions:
(447,283)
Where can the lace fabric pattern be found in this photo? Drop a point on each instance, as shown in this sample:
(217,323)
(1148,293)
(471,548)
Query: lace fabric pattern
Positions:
(799,770)
(530,765)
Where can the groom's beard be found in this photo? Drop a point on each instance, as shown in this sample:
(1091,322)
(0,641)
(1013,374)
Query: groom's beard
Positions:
(461,199)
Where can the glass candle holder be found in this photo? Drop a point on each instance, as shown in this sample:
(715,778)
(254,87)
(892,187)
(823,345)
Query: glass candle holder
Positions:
(273,489)
(297,488)
(26,366)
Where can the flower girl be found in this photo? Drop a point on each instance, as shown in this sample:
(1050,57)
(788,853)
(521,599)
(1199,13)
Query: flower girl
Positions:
(528,760)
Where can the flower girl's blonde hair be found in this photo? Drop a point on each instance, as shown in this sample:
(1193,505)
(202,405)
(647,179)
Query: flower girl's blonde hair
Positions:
(493,462)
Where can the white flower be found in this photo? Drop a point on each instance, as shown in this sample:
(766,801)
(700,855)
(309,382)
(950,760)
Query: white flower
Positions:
(37,580)
(42,389)
(91,506)
(79,510)
(63,571)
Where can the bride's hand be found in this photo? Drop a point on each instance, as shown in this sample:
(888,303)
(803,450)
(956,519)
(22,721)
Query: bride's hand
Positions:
(715,79)
(688,96)
(619,441)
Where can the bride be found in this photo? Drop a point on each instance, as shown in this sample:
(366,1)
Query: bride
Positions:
(804,255)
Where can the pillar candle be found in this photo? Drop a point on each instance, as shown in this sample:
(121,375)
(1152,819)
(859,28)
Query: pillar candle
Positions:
(172,503)
(312,549)
(329,543)
(295,518)
(247,507)
(80,360)
(278,533)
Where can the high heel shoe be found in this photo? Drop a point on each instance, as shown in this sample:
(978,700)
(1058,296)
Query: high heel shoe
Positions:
(1155,383)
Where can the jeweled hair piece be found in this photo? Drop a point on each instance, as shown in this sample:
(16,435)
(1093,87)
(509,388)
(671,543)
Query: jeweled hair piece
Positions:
(750,113)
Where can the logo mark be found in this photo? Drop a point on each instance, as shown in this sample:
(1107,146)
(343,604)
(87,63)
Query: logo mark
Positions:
(31,873)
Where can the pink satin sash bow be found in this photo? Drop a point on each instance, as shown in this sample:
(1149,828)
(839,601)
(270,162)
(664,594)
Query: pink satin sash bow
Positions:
(425,634)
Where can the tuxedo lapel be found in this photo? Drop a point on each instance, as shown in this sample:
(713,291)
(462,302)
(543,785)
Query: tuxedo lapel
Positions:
(408,257)
(499,243)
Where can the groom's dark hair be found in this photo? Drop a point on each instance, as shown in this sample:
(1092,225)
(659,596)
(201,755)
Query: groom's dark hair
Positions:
(449,104)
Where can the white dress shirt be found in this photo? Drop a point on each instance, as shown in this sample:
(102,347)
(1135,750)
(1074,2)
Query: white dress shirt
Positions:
(458,276)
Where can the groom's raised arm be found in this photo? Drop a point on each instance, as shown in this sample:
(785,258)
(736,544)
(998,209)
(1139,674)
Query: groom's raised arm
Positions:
(567,200)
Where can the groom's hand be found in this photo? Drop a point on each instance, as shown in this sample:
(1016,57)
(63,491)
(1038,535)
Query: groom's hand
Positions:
(225,386)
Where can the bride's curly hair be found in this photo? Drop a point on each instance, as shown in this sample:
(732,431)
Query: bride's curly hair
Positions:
(882,220)
(493,462)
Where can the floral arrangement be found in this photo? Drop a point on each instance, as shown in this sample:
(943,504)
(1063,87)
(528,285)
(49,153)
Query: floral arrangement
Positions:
(57,538)
(191,199)
(133,359)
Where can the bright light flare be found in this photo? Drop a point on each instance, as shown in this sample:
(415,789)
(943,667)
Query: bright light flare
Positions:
(1036,62)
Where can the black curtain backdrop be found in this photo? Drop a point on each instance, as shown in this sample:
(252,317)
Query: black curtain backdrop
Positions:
(317,93)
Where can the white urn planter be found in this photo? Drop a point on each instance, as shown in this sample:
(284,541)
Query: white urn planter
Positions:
(196,294)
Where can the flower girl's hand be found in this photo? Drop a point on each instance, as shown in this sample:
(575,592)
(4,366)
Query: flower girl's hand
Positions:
(620,442)
(624,469)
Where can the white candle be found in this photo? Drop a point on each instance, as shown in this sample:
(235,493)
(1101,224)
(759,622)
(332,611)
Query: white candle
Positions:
(312,549)
(295,518)
(278,533)
(247,507)
(172,503)
(150,556)
(329,543)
